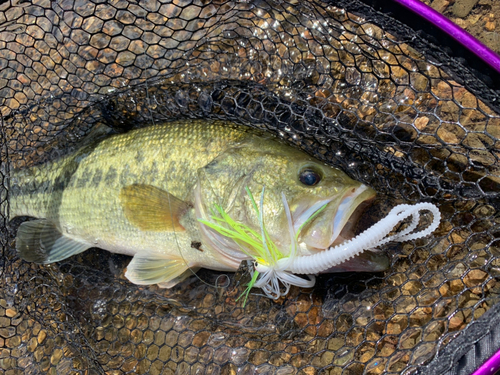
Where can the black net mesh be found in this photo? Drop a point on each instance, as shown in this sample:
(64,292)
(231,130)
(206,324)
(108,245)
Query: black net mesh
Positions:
(327,79)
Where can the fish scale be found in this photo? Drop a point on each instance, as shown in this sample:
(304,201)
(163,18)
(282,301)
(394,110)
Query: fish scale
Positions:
(107,160)
(84,209)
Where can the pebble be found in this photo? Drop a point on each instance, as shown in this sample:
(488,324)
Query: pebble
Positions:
(462,23)
(456,322)
(475,278)
(7,332)
(462,8)
(41,337)
(474,18)
(440,5)
(490,23)
(421,122)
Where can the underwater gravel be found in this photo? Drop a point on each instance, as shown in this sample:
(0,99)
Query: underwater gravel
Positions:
(481,18)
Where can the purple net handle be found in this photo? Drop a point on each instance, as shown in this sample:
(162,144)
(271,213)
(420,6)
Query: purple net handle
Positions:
(489,367)
(460,35)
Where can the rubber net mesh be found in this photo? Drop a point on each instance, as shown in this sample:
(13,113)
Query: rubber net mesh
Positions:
(327,79)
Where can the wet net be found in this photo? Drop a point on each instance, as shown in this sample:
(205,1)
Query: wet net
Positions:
(388,108)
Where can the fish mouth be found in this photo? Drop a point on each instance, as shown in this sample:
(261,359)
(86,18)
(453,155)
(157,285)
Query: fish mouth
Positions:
(324,232)
(346,216)
(352,206)
(367,261)
(348,221)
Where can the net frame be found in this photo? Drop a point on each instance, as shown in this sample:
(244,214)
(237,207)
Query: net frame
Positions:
(187,104)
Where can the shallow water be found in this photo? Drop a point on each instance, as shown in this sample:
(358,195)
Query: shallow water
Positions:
(317,76)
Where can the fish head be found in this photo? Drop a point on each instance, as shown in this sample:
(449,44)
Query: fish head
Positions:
(324,202)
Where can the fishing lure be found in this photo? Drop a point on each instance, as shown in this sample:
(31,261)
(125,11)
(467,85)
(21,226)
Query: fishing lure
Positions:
(275,272)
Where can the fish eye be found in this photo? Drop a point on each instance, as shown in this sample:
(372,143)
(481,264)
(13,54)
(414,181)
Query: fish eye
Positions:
(309,177)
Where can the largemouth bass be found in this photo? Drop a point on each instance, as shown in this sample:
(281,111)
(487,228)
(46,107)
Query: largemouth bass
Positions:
(142,194)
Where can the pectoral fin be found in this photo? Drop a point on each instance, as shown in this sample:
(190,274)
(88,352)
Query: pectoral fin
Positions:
(156,268)
(152,209)
(41,242)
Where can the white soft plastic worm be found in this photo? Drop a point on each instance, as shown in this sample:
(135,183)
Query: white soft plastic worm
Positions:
(371,238)
(284,269)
